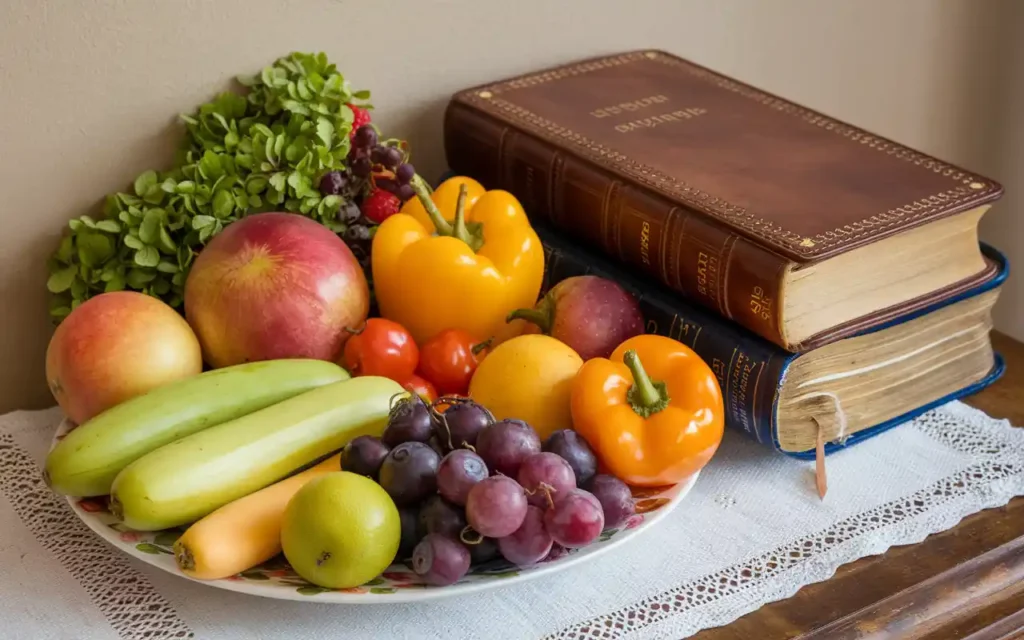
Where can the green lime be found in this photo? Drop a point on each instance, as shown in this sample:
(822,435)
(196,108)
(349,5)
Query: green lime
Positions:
(340,530)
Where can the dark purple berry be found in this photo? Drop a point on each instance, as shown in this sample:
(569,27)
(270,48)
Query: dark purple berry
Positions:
(357,233)
(378,155)
(483,551)
(505,444)
(435,444)
(436,515)
(461,423)
(393,158)
(457,473)
(440,560)
(404,173)
(409,473)
(409,420)
(349,213)
(364,455)
(409,517)
(405,192)
(387,184)
(361,167)
(333,183)
(615,497)
(576,451)
(365,137)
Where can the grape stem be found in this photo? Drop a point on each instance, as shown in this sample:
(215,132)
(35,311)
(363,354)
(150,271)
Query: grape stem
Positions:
(546,488)
(447,430)
(392,404)
(454,400)
(645,396)
(440,418)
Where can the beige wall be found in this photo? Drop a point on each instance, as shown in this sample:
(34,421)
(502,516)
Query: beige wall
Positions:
(89,91)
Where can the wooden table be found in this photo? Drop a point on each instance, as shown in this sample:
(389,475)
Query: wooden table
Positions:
(966,583)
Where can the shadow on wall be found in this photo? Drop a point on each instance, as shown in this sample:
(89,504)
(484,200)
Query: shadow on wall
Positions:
(422,130)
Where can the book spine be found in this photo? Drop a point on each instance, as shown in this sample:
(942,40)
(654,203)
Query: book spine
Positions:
(680,248)
(748,368)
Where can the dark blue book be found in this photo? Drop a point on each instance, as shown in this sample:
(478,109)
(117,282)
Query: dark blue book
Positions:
(853,389)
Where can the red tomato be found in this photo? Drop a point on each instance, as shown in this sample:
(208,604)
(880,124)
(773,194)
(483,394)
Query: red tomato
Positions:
(449,360)
(418,385)
(381,348)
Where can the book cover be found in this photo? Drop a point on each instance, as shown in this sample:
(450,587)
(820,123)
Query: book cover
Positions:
(715,188)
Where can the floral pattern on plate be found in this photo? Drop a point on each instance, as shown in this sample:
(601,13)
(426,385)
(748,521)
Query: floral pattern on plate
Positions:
(398,583)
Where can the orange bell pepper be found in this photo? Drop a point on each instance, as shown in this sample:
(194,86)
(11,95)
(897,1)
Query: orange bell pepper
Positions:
(653,412)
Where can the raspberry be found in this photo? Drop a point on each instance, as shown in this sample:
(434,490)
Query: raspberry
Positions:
(380,205)
(360,117)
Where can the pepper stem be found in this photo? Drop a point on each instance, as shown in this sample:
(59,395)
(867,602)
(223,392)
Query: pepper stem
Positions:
(645,396)
(422,192)
(467,232)
(459,229)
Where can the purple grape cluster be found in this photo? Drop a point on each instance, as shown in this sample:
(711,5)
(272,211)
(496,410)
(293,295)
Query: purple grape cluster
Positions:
(471,489)
(367,158)
(372,156)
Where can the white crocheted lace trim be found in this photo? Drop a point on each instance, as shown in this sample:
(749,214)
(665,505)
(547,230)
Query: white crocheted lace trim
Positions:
(128,600)
(996,476)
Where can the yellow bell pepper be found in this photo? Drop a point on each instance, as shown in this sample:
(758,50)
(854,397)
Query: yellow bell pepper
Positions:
(461,257)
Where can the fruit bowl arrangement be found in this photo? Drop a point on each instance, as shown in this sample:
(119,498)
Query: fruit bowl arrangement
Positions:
(399,582)
(352,386)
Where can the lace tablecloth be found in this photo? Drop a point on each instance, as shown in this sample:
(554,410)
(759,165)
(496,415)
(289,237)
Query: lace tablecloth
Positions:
(752,531)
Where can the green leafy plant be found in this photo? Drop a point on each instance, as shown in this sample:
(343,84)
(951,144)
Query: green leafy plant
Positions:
(262,150)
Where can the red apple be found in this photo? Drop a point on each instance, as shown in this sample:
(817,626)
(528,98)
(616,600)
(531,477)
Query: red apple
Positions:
(114,347)
(592,315)
(275,285)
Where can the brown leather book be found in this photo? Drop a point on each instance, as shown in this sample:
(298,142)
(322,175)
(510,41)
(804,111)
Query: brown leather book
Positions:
(797,226)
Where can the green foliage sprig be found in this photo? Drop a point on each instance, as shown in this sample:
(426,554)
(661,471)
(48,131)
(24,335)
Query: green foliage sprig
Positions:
(242,154)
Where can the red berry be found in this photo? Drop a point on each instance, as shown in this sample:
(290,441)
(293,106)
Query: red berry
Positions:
(360,117)
(380,205)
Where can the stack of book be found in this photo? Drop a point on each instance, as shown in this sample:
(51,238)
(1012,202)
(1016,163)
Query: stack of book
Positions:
(834,279)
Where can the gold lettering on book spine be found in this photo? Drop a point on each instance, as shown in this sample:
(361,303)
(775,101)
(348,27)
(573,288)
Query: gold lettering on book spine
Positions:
(687,333)
(719,368)
(742,368)
(707,272)
(645,243)
(761,304)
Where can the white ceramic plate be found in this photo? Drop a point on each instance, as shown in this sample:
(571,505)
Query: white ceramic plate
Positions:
(276,579)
